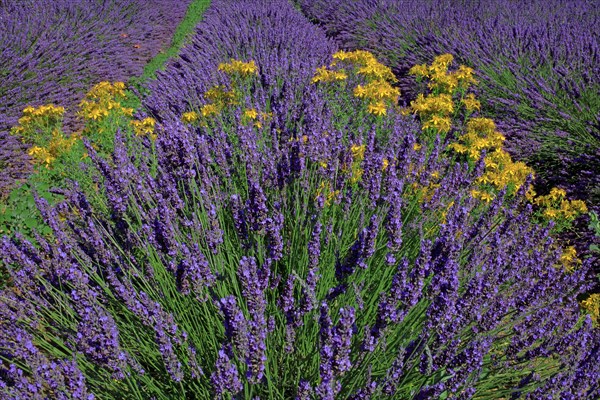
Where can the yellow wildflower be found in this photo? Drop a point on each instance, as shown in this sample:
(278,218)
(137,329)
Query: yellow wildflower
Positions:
(340,55)
(357,174)
(28,110)
(239,67)
(145,126)
(208,110)
(358,151)
(24,120)
(41,155)
(433,104)
(471,104)
(190,117)
(252,114)
(127,111)
(443,60)
(569,259)
(377,108)
(377,90)
(530,195)
(485,196)
(220,95)
(591,305)
(419,70)
(440,81)
(97,113)
(579,206)
(385,164)
(331,196)
(325,75)
(375,70)
(464,76)
(481,125)
(438,123)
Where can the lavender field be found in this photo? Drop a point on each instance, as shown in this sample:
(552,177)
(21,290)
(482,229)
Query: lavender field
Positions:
(309,200)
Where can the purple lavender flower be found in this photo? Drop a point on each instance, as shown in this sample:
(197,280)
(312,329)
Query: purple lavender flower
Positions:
(226,378)
(236,326)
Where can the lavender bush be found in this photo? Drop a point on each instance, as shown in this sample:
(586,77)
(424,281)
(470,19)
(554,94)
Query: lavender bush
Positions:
(276,236)
(14,162)
(538,64)
(53,51)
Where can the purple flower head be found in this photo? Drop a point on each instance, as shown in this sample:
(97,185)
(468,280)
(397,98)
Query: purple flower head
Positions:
(225,379)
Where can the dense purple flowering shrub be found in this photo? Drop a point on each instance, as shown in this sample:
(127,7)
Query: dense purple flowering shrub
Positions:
(14,162)
(538,63)
(277,236)
(53,51)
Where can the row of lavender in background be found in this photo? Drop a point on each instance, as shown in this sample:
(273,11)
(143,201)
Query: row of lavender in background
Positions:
(53,51)
(538,62)
(246,259)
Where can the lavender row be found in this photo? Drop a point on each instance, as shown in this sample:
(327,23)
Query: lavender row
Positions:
(15,165)
(538,64)
(280,47)
(54,51)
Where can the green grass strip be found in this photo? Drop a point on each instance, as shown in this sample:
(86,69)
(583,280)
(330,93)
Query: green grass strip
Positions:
(192,17)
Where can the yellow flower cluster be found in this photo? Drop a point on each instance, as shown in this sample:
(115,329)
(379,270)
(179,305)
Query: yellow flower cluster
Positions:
(103,99)
(239,67)
(367,63)
(43,117)
(501,171)
(569,259)
(556,207)
(144,127)
(330,195)
(442,81)
(49,111)
(258,118)
(378,90)
(424,193)
(441,104)
(41,155)
(358,152)
(58,145)
(190,117)
(480,135)
(209,110)
(385,164)
(379,93)
(218,97)
(106,89)
(358,155)
(591,306)
(325,75)
(434,111)
(482,195)
(251,114)
(471,103)
(440,124)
